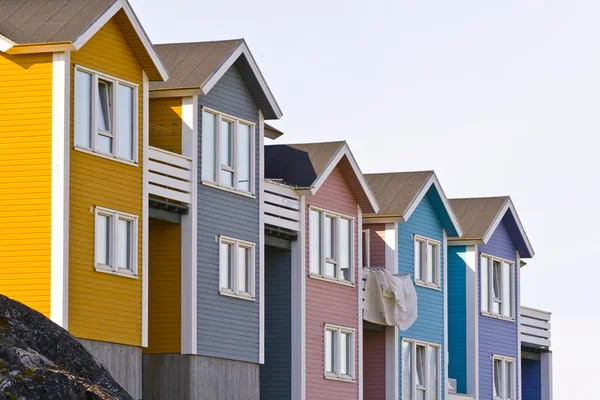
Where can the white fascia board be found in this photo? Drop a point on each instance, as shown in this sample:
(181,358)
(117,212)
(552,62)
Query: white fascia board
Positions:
(508,205)
(216,76)
(5,44)
(375,219)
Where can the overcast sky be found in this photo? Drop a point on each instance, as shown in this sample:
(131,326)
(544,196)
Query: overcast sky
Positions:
(499,97)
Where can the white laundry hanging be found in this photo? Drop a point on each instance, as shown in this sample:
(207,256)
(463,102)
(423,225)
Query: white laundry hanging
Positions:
(390,299)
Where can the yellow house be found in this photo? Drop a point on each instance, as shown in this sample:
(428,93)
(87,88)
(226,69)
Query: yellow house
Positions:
(74,82)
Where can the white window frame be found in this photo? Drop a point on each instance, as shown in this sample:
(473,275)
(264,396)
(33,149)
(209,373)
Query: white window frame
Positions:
(490,287)
(337,245)
(504,360)
(112,268)
(235,291)
(219,117)
(414,343)
(337,375)
(419,280)
(96,75)
(366,248)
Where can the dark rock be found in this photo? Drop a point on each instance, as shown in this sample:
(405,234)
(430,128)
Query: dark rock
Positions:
(41,361)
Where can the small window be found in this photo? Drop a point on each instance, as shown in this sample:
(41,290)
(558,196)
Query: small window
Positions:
(105,115)
(339,352)
(366,248)
(427,262)
(227,151)
(503,370)
(331,245)
(420,371)
(236,268)
(497,277)
(116,242)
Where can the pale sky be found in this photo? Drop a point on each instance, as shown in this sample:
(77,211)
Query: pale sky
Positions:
(498,97)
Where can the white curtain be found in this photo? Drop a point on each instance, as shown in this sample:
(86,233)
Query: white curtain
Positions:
(406,371)
(432,385)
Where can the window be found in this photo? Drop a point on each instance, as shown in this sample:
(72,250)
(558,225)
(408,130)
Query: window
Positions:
(330,245)
(497,294)
(236,268)
(366,248)
(504,378)
(116,242)
(105,115)
(421,363)
(339,352)
(427,262)
(227,151)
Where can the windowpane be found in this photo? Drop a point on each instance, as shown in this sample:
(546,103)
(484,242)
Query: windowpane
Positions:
(484,284)
(330,345)
(83,109)
(508,389)
(243,268)
(432,385)
(345,356)
(497,378)
(103,118)
(420,394)
(406,370)
(126,104)
(418,259)
(124,244)
(314,232)
(103,239)
(345,248)
(104,144)
(225,265)
(330,237)
(420,377)
(227,178)
(366,251)
(330,269)
(496,286)
(431,261)
(506,286)
(227,143)
(208,146)
(244,157)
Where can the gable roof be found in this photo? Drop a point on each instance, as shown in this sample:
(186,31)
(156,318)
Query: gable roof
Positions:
(306,166)
(480,217)
(197,67)
(33,26)
(400,193)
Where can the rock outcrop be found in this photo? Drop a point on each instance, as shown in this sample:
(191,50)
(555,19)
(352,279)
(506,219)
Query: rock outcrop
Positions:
(41,361)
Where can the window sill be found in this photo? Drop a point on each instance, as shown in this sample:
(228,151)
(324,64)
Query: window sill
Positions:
(237,296)
(496,316)
(106,156)
(125,273)
(337,378)
(332,280)
(228,189)
(427,285)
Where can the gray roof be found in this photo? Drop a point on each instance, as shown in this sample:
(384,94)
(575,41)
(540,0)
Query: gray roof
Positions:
(395,191)
(476,215)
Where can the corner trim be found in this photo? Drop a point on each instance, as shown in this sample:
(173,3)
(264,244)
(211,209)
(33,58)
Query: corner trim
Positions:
(61,134)
(261,238)
(444,287)
(145,206)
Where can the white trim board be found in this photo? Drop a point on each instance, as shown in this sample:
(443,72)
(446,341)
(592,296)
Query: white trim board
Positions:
(5,44)
(472,319)
(261,238)
(298,266)
(59,264)
(145,206)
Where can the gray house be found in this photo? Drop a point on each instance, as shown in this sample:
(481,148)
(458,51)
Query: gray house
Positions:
(206,286)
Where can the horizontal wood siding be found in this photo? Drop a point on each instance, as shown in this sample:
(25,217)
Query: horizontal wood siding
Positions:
(532,380)
(276,373)
(101,306)
(374,365)
(227,327)
(165,124)
(429,326)
(26,178)
(377,242)
(497,336)
(330,303)
(457,317)
(164,280)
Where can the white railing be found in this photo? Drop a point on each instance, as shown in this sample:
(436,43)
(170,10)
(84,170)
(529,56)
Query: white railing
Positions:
(281,206)
(169,175)
(535,327)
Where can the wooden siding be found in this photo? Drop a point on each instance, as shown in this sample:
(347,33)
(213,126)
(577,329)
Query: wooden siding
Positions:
(429,326)
(327,302)
(457,317)
(377,242)
(497,336)
(165,115)
(164,287)
(374,364)
(276,372)
(26,178)
(102,306)
(227,327)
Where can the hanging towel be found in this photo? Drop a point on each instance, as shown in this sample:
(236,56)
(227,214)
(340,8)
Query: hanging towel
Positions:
(390,300)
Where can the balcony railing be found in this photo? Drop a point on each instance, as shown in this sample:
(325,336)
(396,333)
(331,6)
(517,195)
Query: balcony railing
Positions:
(169,175)
(281,207)
(535,328)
